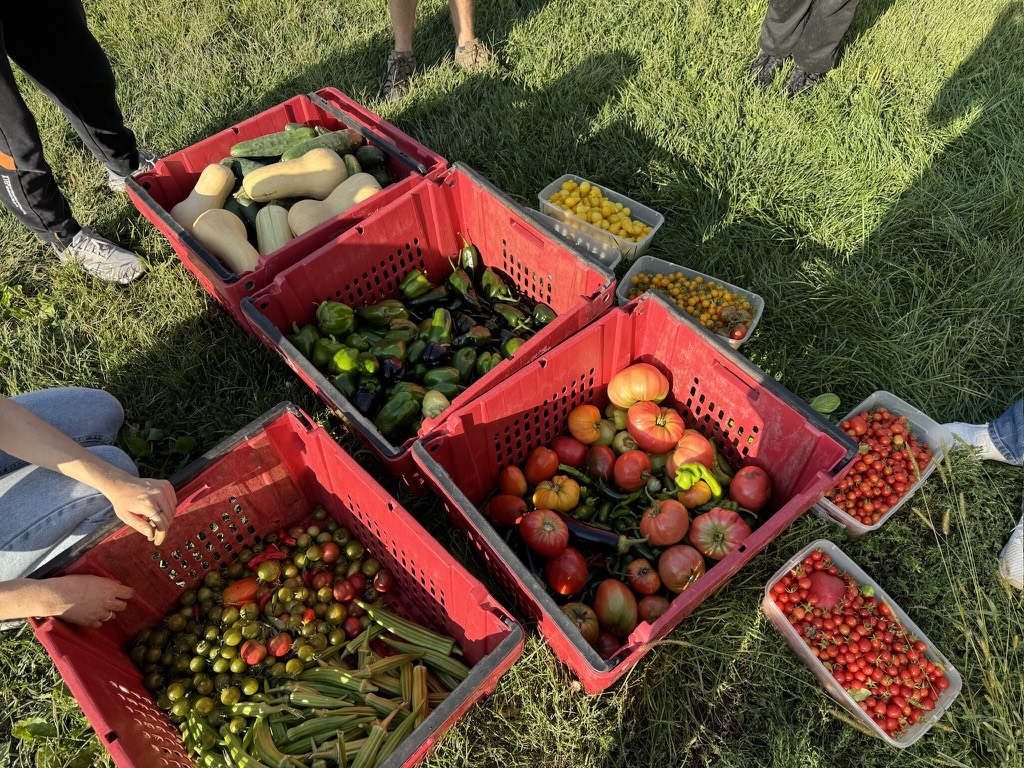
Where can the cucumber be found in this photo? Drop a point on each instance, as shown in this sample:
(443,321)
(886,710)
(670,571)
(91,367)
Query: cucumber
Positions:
(272,145)
(241,166)
(340,141)
(370,157)
(294,126)
(235,207)
(352,165)
(320,130)
(249,209)
(381,176)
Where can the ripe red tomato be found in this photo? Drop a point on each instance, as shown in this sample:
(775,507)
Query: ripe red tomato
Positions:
(718,533)
(651,608)
(571,451)
(607,645)
(240,592)
(541,465)
(692,448)
(584,423)
(506,510)
(631,470)
(738,331)
(344,592)
(279,645)
(655,429)
(825,590)
(615,607)
(512,482)
(329,552)
(641,381)
(544,532)
(643,578)
(566,573)
(750,488)
(252,652)
(321,579)
(665,522)
(600,462)
(679,567)
(585,619)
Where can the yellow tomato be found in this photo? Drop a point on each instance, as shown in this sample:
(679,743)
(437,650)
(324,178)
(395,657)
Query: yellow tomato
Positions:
(584,187)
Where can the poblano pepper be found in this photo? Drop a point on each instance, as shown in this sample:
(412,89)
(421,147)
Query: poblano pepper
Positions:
(381,314)
(414,352)
(397,415)
(335,318)
(463,285)
(389,348)
(543,314)
(510,347)
(345,360)
(438,295)
(437,375)
(304,339)
(346,383)
(415,284)
(494,287)
(391,370)
(441,327)
(469,256)
(477,336)
(324,350)
(463,361)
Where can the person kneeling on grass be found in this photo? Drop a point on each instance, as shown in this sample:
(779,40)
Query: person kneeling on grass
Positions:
(809,31)
(1001,440)
(60,480)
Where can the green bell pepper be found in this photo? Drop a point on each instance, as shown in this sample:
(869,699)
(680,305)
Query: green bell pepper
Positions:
(345,360)
(397,415)
(510,347)
(441,327)
(335,318)
(415,284)
(389,348)
(414,351)
(463,362)
(543,314)
(304,339)
(347,383)
(381,314)
(324,350)
(437,375)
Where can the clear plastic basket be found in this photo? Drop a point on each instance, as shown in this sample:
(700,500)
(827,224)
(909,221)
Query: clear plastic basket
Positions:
(926,430)
(652,265)
(844,563)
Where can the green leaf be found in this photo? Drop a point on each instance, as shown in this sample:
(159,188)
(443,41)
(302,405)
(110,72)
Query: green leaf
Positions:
(33,728)
(825,403)
(137,444)
(184,445)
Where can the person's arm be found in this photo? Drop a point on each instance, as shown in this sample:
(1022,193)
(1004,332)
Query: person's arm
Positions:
(145,504)
(80,599)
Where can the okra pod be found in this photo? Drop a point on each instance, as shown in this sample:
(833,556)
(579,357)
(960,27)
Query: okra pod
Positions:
(397,736)
(420,696)
(367,757)
(439,661)
(407,630)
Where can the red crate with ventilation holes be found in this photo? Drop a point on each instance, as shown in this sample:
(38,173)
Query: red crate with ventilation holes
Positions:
(421,230)
(268,476)
(156,192)
(752,418)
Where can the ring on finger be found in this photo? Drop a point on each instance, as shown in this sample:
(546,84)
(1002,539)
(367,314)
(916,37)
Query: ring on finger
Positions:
(109,617)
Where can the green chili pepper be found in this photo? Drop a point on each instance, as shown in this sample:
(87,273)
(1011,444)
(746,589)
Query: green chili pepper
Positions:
(469,256)
(688,474)
(381,314)
(437,295)
(463,362)
(441,327)
(463,285)
(586,510)
(347,383)
(543,314)
(415,284)
(335,318)
(510,347)
(345,360)
(437,375)
(397,415)
(389,347)
(304,339)
(414,351)
(494,287)
(477,336)
(324,350)
(515,319)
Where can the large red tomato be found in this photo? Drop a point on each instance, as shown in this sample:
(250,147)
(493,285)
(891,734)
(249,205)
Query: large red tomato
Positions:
(631,470)
(585,619)
(607,645)
(544,532)
(600,462)
(615,607)
(651,607)
(692,448)
(750,488)
(584,423)
(654,428)
(665,522)
(512,481)
(566,573)
(541,465)
(679,567)
(571,451)
(637,382)
(505,509)
(718,533)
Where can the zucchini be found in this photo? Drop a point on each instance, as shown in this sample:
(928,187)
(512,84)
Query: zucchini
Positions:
(241,166)
(272,145)
(235,207)
(352,165)
(249,209)
(370,157)
(340,141)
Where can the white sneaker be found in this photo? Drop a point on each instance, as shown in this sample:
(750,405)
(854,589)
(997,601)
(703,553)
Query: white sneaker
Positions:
(1011,559)
(976,436)
(147,162)
(102,259)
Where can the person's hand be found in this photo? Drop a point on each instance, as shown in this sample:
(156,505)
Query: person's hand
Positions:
(145,504)
(88,600)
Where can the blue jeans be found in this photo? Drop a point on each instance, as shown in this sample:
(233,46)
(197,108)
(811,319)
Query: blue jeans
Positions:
(1007,433)
(44,513)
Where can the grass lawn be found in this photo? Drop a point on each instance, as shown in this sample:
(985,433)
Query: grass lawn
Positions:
(881,217)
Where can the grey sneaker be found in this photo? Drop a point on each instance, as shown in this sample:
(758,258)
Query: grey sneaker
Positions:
(1011,559)
(400,69)
(11,625)
(102,259)
(473,56)
(801,82)
(764,69)
(147,162)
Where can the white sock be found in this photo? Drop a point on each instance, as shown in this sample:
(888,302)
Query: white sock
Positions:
(1011,559)
(976,435)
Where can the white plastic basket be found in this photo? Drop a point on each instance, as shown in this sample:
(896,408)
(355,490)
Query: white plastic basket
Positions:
(638,212)
(927,431)
(835,689)
(652,265)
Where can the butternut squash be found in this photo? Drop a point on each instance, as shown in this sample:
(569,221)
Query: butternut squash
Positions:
(223,234)
(211,190)
(272,230)
(308,214)
(314,175)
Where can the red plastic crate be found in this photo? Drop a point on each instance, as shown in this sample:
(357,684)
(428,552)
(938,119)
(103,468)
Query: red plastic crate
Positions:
(366,264)
(752,418)
(270,475)
(156,192)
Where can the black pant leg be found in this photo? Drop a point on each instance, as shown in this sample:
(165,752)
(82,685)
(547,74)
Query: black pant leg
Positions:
(52,44)
(27,186)
(828,22)
(783,25)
